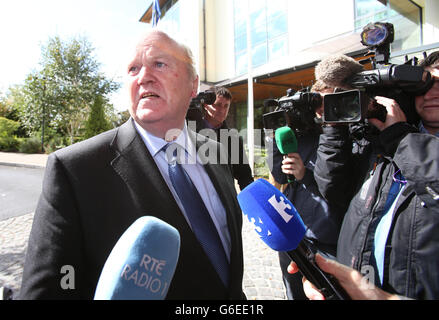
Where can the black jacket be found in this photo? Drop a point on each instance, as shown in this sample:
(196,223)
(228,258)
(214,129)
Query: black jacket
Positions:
(322,222)
(361,181)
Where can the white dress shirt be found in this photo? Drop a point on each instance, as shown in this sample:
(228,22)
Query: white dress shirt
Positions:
(192,165)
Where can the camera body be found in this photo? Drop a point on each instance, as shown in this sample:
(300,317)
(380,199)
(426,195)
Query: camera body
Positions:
(196,110)
(296,109)
(399,82)
(394,81)
(205,97)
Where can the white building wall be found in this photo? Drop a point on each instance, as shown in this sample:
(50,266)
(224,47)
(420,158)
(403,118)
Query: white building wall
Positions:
(184,23)
(431,24)
(220,40)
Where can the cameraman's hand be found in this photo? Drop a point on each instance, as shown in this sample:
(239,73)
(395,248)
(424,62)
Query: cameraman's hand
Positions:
(394,113)
(293,164)
(213,116)
(217,113)
(350,279)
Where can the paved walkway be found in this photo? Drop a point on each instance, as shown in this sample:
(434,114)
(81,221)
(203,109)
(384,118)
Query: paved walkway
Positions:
(262,274)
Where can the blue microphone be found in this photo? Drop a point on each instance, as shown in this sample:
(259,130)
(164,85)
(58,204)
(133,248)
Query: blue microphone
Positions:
(280,226)
(142,263)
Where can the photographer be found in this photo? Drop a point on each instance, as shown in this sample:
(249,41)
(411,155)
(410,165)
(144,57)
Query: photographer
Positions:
(323,223)
(214,117)
(390,188)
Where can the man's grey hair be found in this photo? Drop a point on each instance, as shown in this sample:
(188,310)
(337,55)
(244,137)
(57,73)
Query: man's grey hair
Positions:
(191,61)
(187,52)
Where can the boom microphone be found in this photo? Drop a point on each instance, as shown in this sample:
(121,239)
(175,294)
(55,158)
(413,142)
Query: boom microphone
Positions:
(280,226)
(344,72)
(287,143)
(142,263)
(336,70)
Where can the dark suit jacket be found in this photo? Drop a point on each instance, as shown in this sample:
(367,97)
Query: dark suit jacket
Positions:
(92,192)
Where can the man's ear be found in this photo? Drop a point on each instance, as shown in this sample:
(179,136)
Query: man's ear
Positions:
(195,87)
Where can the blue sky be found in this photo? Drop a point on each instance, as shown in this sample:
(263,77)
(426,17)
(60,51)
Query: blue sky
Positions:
(112,26)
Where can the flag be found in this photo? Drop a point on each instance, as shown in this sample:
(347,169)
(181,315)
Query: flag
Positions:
(156,13)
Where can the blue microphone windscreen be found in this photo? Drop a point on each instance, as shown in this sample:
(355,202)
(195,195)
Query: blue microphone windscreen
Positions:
(142,263)
(274,217)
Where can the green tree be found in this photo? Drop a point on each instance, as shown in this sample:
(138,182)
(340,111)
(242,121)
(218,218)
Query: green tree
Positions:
(9,111)
(6,110)
(8,140)
(7,127)
(62,93)
(97,121)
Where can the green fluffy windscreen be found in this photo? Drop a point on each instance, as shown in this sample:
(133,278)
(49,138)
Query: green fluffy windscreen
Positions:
(286,140)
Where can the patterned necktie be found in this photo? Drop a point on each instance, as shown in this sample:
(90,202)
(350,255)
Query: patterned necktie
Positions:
(197,213)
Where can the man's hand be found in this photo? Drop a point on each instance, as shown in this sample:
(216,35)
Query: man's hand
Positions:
(217,113)
(394,113)
(358,287)
(293,164)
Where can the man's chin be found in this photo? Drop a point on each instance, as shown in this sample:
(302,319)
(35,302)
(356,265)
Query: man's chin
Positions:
(147,116)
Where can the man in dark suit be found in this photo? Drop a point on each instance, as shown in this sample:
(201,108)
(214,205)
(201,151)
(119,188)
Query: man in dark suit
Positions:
(94,190)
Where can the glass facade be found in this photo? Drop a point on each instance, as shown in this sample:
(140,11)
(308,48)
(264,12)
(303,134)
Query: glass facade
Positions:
(268,32)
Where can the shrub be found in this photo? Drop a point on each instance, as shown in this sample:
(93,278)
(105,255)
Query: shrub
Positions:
(54,144)
(9,144)
(8,127)
(31,145)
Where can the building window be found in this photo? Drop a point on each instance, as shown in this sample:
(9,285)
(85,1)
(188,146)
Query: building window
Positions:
(268,32)
(403,14)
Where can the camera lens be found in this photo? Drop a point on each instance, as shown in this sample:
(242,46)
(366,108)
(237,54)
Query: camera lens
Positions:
(350,109)
(342,107)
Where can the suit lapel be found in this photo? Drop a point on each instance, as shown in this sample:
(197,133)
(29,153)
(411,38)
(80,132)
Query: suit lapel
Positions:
(137,168)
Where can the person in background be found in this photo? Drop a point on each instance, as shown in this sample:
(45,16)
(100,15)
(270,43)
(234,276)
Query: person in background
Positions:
(390,232)
(322,221)
(214,118)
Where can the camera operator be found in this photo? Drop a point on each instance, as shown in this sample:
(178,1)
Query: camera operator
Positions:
(390,231)
(214,117)
(323,223)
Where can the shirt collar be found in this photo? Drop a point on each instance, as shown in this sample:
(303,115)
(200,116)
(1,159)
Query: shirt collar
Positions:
(423,130)
(156,144)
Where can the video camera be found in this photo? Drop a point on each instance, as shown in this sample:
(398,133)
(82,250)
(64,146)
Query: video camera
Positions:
(399,82)
(196,110)
(296,109)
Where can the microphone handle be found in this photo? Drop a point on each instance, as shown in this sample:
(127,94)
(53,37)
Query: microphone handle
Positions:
(326,283)
(290,178)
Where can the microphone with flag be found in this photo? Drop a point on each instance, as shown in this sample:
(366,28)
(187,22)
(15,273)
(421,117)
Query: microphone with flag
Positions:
(142,263)
(280,226)
(156,13)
